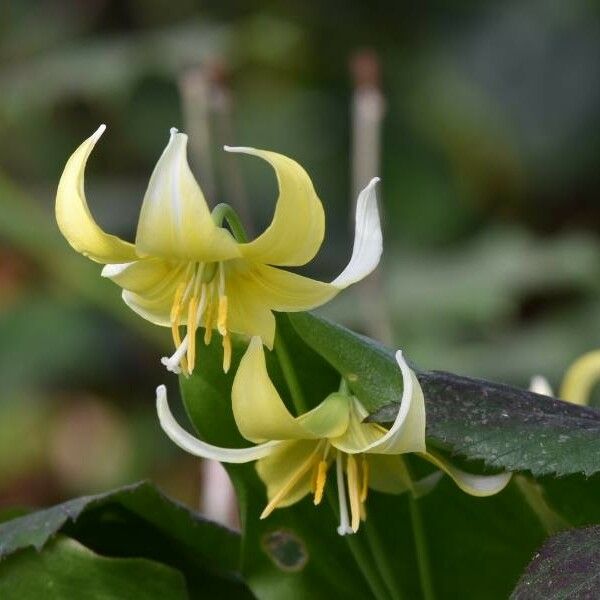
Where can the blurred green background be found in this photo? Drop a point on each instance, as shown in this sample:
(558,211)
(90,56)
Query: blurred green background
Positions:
(489,162)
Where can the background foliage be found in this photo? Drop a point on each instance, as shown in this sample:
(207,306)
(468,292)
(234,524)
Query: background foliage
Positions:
(489,190)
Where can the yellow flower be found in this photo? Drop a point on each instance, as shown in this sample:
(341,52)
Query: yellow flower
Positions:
(578,382)
(294,454)
(186,270)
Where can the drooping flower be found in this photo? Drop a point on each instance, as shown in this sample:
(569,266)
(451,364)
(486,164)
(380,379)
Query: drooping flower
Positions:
(577,383)
(186,269)
(294,454)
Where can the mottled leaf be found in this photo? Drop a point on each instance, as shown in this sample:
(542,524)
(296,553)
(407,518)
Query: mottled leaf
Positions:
(504,426)
(567,567)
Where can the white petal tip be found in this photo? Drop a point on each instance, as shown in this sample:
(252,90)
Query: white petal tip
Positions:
(242,149)
(96,135)
(173,130)
(374,182)
(114,269)
(540,385)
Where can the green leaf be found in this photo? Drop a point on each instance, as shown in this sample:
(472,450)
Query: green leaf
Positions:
(567,566)
(478,546)
(506,427)
(66,569)
(138,521)
(296,552)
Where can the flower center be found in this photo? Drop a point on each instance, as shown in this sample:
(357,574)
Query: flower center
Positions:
(352,489)
(200,300)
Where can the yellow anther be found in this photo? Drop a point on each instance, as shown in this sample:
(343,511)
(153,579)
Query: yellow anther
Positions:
(364,490)
(226,353)
(353,492)
(191,331)
(222,315)
(320,480)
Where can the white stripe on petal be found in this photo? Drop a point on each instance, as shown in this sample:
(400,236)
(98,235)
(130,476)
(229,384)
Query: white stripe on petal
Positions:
(199,448)
(368,239)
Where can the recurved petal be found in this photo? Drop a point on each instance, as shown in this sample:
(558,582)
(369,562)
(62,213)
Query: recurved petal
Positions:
(259,411)
(475,485)
(290,460)
(144,275)
(175,220)
(248,314)
(368,239)
(329,419)
(73,214)
(197,447)
(298,226)
(407,433)
(284,291)
(580,379)
(540,385)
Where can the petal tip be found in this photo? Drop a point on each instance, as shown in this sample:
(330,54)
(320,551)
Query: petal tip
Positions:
(98,133)
(239,149)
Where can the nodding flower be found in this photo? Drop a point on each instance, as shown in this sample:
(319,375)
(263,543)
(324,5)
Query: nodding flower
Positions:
(187,270)
(295,454)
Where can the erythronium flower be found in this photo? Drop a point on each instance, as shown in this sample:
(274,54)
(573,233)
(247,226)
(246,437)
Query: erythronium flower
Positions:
(578,382)
(294,454)
(186,270)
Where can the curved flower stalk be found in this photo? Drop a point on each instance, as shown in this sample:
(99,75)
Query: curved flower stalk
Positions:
(295,454)
(577,383)
(187,270)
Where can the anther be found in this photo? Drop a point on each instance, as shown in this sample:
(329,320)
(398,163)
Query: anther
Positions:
(320,481)
(222,316)
(226,353)
(353,492)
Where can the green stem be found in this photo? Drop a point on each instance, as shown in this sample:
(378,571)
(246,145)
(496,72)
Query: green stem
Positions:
(533,493)
(362,559)
(421,548)
(381,559)
(225,212)
(289,375)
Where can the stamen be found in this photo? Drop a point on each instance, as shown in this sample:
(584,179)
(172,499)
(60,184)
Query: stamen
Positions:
(344,527)
(191,331)
(353,491)
(290,483)
(365,479)
(226,353)
(208,321)
(222,316)
(320,480)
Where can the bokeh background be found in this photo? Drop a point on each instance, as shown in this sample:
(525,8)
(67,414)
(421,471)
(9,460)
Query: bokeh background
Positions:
(483,120)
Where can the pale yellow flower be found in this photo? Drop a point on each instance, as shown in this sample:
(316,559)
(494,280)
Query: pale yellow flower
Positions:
(294,454)
(577,383)
(186,269)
